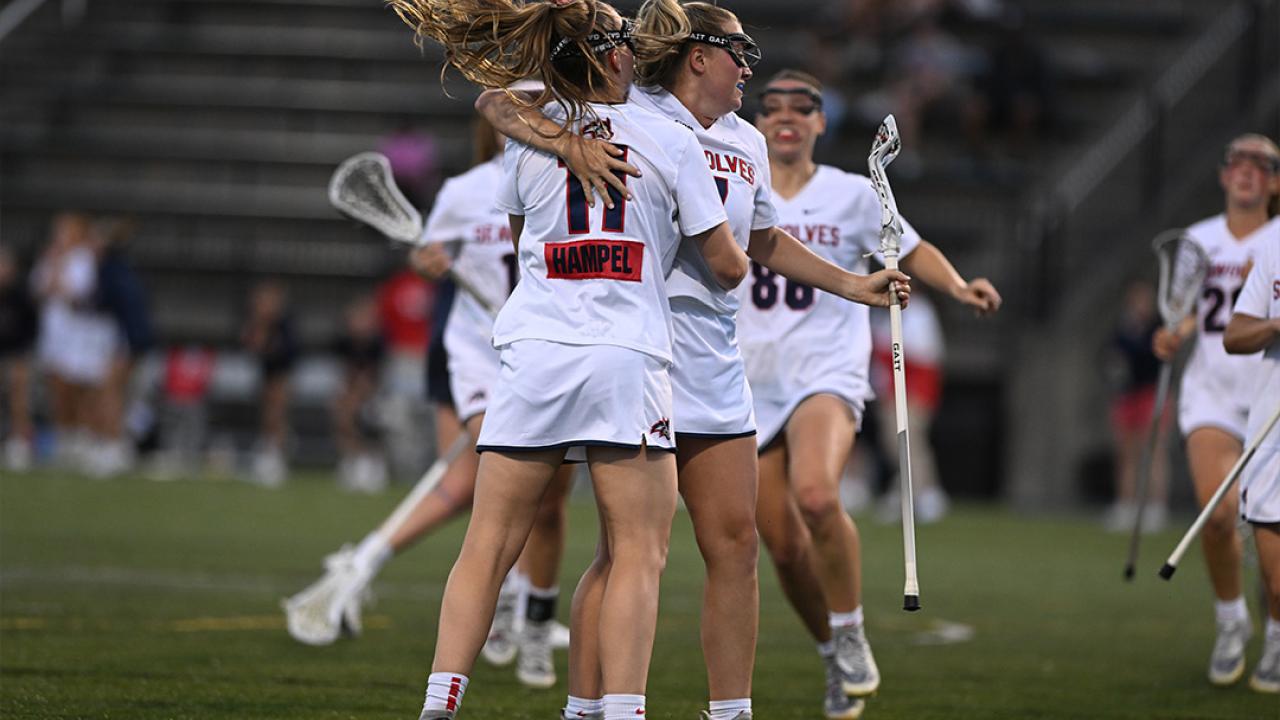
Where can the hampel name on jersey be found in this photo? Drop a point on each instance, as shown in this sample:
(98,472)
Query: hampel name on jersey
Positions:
(595,259)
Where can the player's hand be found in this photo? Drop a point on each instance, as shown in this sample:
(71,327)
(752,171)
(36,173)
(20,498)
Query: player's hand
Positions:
(874,289)
(1165,344)
(430,261)
(594,163)
(980,295)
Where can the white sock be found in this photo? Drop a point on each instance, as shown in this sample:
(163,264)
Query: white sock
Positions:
(847,619)
(444,691)
(827,649)
(623,707)
(579,707)
(728,709)
(1231,610)
(1273,630)
(372,553)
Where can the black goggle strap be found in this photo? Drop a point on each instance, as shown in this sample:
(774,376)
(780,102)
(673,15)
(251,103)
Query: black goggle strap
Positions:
(745,56)
(810,93)
(598,41)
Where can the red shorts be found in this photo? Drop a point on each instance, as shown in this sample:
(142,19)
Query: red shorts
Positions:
(1131,412)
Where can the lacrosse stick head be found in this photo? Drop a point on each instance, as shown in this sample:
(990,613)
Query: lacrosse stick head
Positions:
(884,148)
(364,189)
(1183,265)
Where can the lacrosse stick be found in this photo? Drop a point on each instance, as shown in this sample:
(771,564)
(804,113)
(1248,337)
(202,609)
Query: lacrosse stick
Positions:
(318,614)
(883,150)
(1183,265)
(363,189)
(1171,565)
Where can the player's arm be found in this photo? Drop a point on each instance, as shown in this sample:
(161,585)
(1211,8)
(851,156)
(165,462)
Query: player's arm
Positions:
(927,263)
(777,250)
(726,260)
(1247,334)
(592,161)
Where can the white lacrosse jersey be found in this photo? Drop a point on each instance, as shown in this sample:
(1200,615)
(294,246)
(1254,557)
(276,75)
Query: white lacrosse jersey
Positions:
(1229,260)
(1260,298)
(735,154)
(464,212)
(591,276)
(785,327)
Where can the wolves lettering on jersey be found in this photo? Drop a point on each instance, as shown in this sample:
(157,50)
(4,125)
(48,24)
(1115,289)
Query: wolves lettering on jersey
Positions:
(735,154)
(612,299)
(485,257)
(790,333)
(595,259)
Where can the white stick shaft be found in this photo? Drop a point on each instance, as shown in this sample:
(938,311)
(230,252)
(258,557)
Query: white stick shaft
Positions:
(1227,482)
(912,585)
(1144,468)
(430,479)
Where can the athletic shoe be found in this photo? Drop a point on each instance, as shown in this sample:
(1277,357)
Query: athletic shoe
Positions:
(269,469)
(1226,665)
(564,715)
(1266,677)
(559,635)
(535,667)
(436,715)
(836,705)
(859,675)
(17,454)
(744,715)
(500,647)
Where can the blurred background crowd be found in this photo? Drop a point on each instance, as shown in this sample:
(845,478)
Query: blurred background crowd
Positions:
(180,301)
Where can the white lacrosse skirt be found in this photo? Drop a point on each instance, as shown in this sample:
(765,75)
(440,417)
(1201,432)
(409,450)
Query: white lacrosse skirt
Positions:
(553,395)
(1212,397)
(773,411)
(473,372)
(708,378)
(1260,486)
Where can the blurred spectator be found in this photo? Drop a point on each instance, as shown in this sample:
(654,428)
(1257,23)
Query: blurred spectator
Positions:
(269,334)
(76,342)
(184,419)
(405,302)
(362,350)
(415,162)
(18,327)
(121,295)
(925,346)
(1016,94)
(1132,371)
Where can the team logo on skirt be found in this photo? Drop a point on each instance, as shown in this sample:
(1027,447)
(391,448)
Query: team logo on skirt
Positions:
(661,429)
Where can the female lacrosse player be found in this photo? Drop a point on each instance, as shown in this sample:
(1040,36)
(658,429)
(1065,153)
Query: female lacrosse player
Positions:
(808,358)
(1255,327)
(481,237)
(1212,406)
(584,339)
(693,63)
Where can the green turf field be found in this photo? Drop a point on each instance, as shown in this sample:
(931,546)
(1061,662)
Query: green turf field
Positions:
(132,599)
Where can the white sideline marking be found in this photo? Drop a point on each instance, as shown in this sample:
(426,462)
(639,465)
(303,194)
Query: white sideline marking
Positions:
(944,632)
(233,623)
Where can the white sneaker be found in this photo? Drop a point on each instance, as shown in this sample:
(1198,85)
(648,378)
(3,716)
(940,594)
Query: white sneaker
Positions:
(535,667)
(500,647)
(269,469)
(1120,516)
(564,715)
(1266,677)
(859,675)
(17,454)
(559,635)
(836,705)
(1226,665)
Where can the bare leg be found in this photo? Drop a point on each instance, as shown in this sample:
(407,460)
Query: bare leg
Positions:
(20,398)
(275,409)
(540,561)
(790,544)
(1212,452)
(584,624)
(1267,538)
(636,492)
(508,487)
(820,434)
(453,494)
(718,483)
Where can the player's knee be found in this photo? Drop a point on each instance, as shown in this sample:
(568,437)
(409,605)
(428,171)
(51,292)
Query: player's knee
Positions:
(1221,526)
(818,504)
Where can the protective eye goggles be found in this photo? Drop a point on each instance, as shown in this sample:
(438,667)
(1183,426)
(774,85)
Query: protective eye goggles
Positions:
(1266,163)
(744,51)
(598,41)
(766,110)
